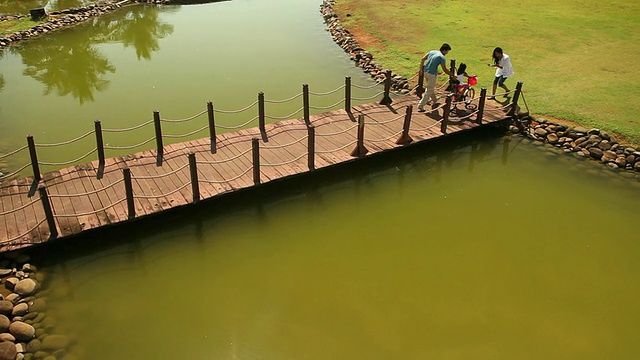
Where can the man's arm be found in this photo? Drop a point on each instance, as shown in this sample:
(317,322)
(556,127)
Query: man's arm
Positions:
(424,58)
(446,71)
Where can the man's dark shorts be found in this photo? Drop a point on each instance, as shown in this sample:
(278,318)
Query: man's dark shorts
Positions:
(499,80)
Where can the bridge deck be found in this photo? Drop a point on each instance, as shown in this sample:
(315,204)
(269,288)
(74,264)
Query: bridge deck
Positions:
(80,201)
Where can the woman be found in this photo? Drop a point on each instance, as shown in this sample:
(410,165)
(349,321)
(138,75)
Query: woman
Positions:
(504,70)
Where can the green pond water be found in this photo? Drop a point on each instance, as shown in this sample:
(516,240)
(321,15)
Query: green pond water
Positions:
(455,252)
(486,247)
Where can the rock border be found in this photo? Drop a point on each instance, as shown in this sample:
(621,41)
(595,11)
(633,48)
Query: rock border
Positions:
(26,332)
(361,57)
(590,143)
(68,17)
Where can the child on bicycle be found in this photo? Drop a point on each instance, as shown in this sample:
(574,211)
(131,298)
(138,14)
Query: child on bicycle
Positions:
(460,83)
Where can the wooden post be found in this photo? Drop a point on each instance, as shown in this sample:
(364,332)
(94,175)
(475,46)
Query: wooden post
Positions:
(34,159)
(452,69)
(261,112)
(360,150)
(311,147)
(386,99)
(420,87)
(212,127)
(305,103)
(516,96)
(48,212)
(347,94)
(483,98)
(405,138)
(100,145)
(195,186)
(128,188)
(159,146)
(255,147)
(445,116)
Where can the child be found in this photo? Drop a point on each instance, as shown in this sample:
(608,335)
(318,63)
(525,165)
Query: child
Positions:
(461,83)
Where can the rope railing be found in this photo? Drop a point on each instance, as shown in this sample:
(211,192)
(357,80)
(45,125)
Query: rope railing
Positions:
(365,87)
(185,119)
(367,98)
(283,145)
(55,215)
(19,208)
(428,127)
(238,126)
(226,180)
(68,162)
(284,117)
(215,162)
(385,121)
(414,76)
(336,149)
(237,111)
(66,142)
(88,192)
(22,235)
(502,94)
(13,152)
(135,196)
(468,115)
(284,162)
(337,132)
(392,136)
(142,177)
(15,172)
(172,136)
(130,128)
(115,147)
(328,92)
(326,107)
(283,100)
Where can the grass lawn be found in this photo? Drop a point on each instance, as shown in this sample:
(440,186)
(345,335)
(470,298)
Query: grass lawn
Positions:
(11,26)
(578,59)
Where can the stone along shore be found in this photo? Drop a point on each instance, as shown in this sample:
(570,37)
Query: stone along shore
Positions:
(591,143)
(59,20)
(26,332)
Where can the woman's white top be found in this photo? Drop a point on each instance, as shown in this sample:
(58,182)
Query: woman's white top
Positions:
(507,69)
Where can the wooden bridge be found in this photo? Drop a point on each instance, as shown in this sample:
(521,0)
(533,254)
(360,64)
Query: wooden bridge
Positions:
(115,190)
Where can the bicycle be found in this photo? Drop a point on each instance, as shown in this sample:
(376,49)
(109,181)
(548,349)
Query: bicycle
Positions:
(465,92)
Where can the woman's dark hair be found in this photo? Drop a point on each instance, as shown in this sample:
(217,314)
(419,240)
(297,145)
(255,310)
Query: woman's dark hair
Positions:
(496,59)
(462,68)
(444,47)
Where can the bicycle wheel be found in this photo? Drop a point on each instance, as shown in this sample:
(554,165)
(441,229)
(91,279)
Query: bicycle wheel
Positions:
(470,95)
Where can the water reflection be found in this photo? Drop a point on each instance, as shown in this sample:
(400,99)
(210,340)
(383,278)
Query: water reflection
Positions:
(141,29)
(65,67)
(72,65)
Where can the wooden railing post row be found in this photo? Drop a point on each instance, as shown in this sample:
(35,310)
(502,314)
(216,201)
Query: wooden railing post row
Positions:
(305,103)
(420,87)
(516,96)
(34,159)
(347,94)
(311,147)
(386,99)
(445,115)
(193,170)
(100,146)
(261,112)
(128,189)
(405,138)
(360,149)
(212,127)
(48,212)
(481,102)
(158,129)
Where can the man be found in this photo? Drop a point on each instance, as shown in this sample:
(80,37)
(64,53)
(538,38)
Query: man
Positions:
(434,58)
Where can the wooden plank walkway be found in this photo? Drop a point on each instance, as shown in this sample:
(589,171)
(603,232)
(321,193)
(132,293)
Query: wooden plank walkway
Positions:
(80,201)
